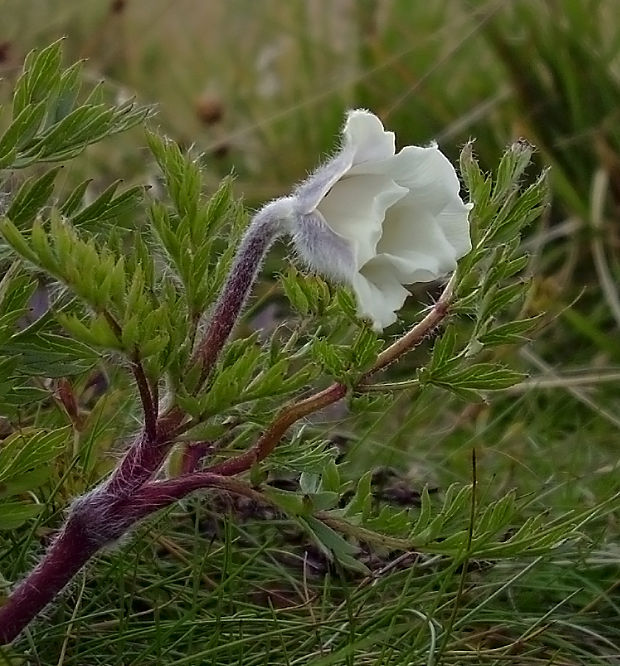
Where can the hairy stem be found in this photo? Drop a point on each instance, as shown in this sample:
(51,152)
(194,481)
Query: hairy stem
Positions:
(267,442)
(103,515)
(69,552)
(417,334)
(149,405)
(159,494)
(145,455)
(193,454)
(266,226)
(95,520)
(149,450)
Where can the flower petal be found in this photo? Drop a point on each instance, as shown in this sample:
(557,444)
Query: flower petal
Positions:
(426,171)
(355,209)
(322,249)
(454,222)
(364,132)
(414,242)
(412,267)
(378,220)
(378,292)
(309,193)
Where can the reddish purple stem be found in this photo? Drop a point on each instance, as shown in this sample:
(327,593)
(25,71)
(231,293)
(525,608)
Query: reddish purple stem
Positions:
(69,552)
(264,229)
(95,520)
(193,454)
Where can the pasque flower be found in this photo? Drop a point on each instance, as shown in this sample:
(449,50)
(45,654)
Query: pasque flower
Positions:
(377,220)
(372,218)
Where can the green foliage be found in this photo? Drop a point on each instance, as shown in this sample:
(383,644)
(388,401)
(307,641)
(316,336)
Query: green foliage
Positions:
(443,530)
(16,289)
(246,373)
(25,464)
(188,231)
(491,279)
(31,352)
(303,453)
(348,363)
(108,206)
(31,197)
(488,284)
(147,304)
(307,294)
(48,123)
(26,451)
(333,544)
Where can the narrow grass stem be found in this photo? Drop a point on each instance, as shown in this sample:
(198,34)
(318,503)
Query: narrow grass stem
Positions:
(609,289)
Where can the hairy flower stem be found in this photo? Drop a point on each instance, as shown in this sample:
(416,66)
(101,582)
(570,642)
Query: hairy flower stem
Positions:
(416,335)
(103,515)
(145,456)
(95,520)
(267,225)
(69,552)
(272,435)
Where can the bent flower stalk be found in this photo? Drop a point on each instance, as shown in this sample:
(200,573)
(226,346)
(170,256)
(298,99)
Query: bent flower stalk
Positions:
(370,217)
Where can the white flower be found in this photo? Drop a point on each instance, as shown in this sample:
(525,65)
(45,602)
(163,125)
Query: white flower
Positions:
(379,220)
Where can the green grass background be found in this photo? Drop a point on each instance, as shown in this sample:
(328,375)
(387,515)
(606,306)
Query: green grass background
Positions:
(261,87)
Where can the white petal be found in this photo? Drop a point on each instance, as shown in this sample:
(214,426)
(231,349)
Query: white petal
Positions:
(322,249)
(434,185)
(379,293)
(364,132)
(454,222)
(317,185)
(411,267)
(425,170)
(414,242)
(355,209)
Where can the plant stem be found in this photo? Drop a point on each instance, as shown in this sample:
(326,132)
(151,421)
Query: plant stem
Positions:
(69,552)
(267,442)
(266,226)
(144,457)
(193,454)
(149,450)
(417,334)
(298,410)
(95,520)
(149,405)
(159,494)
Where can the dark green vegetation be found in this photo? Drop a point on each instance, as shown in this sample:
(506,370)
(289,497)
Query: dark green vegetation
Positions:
(219,580)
